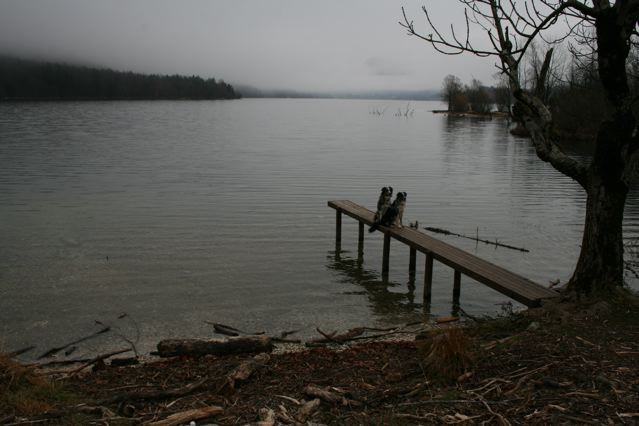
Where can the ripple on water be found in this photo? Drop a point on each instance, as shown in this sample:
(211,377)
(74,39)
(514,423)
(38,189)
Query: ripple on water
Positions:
(217,211)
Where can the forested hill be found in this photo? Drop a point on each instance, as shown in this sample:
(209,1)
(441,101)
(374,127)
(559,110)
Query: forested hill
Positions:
(29,80)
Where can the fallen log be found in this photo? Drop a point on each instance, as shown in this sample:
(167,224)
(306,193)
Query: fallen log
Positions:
(187,416)
(232,345)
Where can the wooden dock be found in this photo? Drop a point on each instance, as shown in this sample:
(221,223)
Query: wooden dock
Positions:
(508,283)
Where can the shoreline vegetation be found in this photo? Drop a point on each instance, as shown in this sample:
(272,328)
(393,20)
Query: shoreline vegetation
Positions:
(562,364)
(472,114)
(25,80)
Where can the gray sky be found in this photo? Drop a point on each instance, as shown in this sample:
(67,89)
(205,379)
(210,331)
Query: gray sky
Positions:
(291,44)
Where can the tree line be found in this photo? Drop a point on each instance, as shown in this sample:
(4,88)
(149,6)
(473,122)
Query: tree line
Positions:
(467,98)
(30,80)
(567,83)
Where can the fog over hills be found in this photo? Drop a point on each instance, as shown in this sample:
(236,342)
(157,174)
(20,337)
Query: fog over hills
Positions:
(415,95)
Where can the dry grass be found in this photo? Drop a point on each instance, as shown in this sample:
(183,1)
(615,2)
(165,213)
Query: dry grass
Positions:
(447,353)
(23,392)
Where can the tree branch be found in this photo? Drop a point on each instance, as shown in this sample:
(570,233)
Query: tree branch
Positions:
(537,119)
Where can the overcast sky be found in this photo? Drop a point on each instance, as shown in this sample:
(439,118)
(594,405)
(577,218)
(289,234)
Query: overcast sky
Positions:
(320,45)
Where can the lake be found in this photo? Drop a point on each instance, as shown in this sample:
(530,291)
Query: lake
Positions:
(158,217)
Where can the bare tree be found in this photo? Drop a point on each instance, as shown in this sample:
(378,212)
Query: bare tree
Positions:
(453,94)
(503,94)
(511,26)
(542,71)
(480,101)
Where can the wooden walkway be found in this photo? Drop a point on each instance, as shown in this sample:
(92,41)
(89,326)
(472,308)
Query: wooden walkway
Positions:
(506,282)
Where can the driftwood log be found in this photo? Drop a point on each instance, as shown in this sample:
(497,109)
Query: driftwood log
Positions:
(246,369)
(186,416)
(232,345)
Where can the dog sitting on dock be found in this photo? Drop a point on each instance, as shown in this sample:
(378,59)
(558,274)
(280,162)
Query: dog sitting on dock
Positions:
(401,205)
(393,214)
(383,202)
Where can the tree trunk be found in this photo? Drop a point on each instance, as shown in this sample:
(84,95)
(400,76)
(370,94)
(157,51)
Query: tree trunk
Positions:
(600,265)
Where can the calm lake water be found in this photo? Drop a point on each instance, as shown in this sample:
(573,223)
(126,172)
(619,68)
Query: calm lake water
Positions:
(177,213)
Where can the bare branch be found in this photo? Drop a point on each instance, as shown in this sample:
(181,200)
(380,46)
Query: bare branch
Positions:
(538,120)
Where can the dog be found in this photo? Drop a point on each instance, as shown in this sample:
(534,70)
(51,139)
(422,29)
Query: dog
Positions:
(383,202)
(393,214)
(401,205)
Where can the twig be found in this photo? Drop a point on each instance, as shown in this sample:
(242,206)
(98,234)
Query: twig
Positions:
(123,337)
(227,330)
(339,338)
(19,351)
(584,394)
(469,316)
(288,398)
(285,334)
(59,362)
(427,417)
(536,370)
(55,350)
(502,420)
(98,359)
(282,340)
(578,420)
(186,416)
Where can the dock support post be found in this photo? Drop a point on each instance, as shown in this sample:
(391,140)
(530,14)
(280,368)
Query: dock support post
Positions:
(456,290)
(412,265)
(386,255)
(428,278)
(338,231)
(360,239)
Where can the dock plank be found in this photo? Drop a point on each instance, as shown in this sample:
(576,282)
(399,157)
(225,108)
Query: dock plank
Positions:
(496,277)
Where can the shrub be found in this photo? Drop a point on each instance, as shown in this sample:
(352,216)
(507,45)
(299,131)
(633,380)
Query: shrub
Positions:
(447,353)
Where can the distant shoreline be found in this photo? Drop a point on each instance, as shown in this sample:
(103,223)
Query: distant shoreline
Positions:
(29,80)
(24,100)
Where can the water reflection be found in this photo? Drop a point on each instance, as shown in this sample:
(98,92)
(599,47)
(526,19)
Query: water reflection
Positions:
(385,298)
